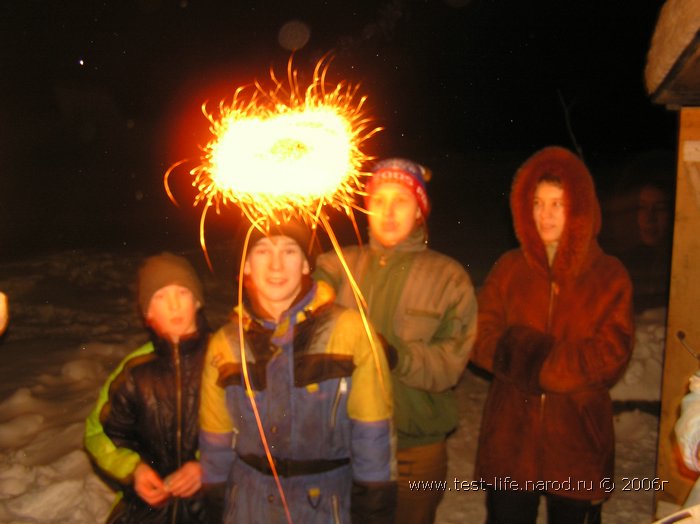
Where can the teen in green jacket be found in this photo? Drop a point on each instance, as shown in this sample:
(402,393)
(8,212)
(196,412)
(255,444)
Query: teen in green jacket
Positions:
(423,304)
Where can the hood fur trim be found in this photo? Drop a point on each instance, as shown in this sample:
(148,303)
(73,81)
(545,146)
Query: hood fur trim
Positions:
(583,220)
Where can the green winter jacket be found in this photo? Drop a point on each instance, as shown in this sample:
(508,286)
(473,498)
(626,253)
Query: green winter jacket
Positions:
(423,304)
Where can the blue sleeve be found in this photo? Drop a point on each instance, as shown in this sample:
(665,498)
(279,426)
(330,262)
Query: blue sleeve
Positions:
(216,456)
(372,446)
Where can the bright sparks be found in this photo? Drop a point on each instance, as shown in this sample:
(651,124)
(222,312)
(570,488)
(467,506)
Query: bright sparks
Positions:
(303,154)
(287,150)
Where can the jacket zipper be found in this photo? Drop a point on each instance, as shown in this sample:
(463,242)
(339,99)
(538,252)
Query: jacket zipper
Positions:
(178,408)
(178,393)
(553,291)
(376,269)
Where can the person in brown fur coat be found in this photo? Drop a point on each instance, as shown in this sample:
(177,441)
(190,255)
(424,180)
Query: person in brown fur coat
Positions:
(555,328)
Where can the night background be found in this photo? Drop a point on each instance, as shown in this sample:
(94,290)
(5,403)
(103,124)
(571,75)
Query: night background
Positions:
(99,98)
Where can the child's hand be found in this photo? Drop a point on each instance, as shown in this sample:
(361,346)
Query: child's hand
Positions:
(149,486)
(186,481)
(3,312)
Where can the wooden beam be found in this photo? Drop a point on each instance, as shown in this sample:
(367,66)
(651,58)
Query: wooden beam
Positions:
(683,310)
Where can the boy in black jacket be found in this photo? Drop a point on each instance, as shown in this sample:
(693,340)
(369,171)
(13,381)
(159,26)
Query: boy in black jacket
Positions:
(143,431)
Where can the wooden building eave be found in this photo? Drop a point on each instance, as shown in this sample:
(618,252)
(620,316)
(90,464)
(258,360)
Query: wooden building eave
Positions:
(681,86)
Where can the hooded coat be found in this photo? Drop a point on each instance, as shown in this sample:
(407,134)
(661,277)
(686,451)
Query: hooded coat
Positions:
(556,338)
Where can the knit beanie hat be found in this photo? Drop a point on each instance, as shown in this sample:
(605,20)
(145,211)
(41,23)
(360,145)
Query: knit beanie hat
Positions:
(405,172)
(293,228)
(163,270)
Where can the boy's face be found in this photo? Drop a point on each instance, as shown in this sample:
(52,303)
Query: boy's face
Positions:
(393,212)
(549,212)
(171,312)
(274,267)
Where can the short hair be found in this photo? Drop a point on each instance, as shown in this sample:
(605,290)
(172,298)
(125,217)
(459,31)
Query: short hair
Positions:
(550,178)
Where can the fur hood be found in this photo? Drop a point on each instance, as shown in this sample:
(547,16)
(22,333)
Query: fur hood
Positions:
(578,243)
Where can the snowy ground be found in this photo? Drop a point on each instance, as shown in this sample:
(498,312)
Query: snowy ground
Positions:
(73,318)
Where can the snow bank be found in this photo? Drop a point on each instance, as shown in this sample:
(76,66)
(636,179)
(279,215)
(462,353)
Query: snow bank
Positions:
(642,378)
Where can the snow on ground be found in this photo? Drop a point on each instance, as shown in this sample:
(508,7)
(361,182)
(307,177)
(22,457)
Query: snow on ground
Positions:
(73,318)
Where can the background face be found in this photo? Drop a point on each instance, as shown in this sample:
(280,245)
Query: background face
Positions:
(393,211)
(653,216)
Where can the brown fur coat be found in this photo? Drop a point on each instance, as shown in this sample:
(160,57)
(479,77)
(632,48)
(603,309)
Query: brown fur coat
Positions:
(556,339)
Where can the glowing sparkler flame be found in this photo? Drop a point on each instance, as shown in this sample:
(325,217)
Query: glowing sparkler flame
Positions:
(285,150)
(301,155)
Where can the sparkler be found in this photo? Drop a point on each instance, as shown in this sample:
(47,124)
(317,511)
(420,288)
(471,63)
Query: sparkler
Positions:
(284,152)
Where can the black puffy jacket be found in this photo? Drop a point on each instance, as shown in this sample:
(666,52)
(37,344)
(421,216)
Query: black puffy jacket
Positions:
(153,408)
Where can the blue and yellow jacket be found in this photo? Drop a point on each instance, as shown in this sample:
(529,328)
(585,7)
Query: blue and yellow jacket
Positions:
(323,396)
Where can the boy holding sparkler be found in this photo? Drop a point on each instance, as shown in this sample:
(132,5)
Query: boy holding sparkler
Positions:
(308,394)
(423,304)
(143,432)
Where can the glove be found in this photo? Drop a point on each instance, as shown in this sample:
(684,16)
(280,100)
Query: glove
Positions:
(373,502)
(519,356)
(392,356)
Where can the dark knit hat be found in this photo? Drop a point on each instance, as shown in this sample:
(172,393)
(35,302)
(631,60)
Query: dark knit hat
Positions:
(293,228)
(163,270)
(405,172)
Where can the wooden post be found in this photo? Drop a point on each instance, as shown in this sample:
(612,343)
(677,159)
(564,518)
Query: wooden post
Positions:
(683,309)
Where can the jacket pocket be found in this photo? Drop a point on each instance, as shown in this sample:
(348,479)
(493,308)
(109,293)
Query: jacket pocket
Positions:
(416,324)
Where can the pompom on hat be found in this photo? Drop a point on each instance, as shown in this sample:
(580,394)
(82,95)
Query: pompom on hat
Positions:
(162,270)
(405,172)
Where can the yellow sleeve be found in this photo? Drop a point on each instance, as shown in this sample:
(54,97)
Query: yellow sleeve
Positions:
(370,397)
(213,415)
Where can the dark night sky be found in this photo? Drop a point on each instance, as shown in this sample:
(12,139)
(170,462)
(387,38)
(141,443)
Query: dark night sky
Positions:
(98,98)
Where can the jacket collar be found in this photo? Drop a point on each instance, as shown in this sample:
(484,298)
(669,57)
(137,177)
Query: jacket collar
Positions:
(188,344)
(313,296)
(414,243)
